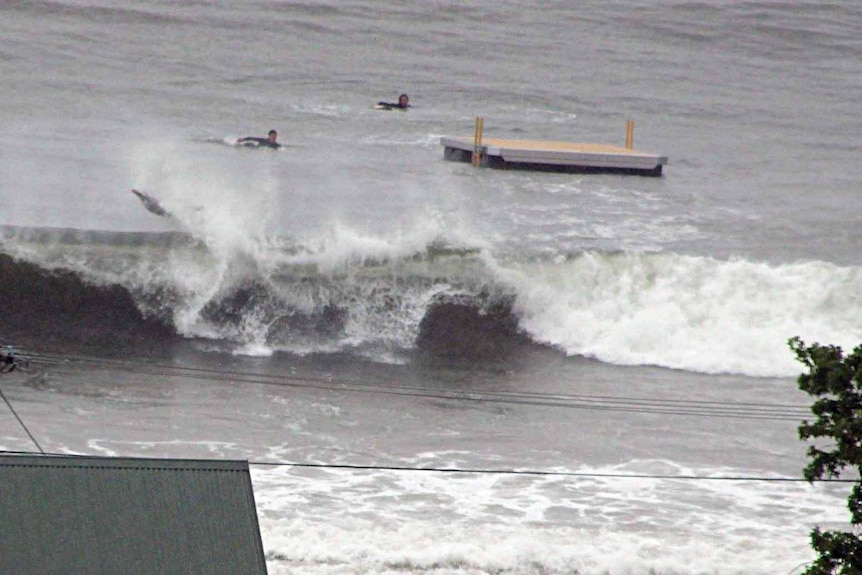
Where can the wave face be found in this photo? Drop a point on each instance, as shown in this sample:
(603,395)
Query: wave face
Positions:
(90,286)
(683,312)
(57,309)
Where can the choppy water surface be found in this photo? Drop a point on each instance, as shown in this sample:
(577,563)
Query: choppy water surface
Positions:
(354,299)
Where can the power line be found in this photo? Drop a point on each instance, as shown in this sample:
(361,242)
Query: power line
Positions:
(20,421)
(577,474)
(637,405)
(777,412)
(480,471)
(674,407)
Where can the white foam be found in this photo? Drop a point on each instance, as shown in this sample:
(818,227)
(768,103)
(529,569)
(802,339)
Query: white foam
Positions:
(692,313)
(255,349)
(317,521)
(327,110)
(638,308)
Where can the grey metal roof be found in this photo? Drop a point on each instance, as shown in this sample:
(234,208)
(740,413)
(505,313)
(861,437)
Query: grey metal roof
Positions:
(113,516)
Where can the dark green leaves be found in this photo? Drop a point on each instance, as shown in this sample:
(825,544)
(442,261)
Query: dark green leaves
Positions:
(836,382)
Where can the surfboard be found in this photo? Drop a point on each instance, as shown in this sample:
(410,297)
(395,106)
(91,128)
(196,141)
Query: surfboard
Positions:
(258,143)
(388,106)
(151,203)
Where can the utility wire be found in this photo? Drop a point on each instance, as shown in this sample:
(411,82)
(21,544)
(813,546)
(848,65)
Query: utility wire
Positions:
(480,471)
(674,407)
(638,405)
(30,435)
(572,401)
(543,473)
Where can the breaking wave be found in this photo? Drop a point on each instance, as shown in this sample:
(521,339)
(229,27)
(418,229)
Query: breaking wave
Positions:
(130,291)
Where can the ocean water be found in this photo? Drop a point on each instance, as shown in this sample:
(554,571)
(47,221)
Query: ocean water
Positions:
(353,300)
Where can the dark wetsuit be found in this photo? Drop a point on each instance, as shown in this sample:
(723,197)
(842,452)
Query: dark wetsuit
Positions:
(259,142)
(8,361)
(392,106)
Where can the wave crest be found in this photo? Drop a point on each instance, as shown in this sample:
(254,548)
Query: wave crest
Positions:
(662,309)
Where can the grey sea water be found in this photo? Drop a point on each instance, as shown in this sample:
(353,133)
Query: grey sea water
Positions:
(354,299)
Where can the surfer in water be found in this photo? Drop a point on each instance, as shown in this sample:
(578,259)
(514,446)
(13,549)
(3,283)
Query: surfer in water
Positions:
(403,104)
(10,361)
(268,142)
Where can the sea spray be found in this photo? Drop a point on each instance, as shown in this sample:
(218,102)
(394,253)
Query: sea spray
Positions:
(370,295)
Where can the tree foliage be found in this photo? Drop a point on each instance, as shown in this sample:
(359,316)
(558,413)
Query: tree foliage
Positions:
(836,383)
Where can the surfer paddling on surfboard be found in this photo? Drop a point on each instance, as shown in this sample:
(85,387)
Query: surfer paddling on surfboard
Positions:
(403,104)
(268,142)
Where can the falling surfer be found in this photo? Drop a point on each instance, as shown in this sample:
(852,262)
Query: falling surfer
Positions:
(151,203)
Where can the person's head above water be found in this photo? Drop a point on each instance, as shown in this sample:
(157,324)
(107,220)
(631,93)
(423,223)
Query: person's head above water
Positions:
(272,136)
(403,101)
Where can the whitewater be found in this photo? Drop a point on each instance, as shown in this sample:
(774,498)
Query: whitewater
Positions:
(695,313)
